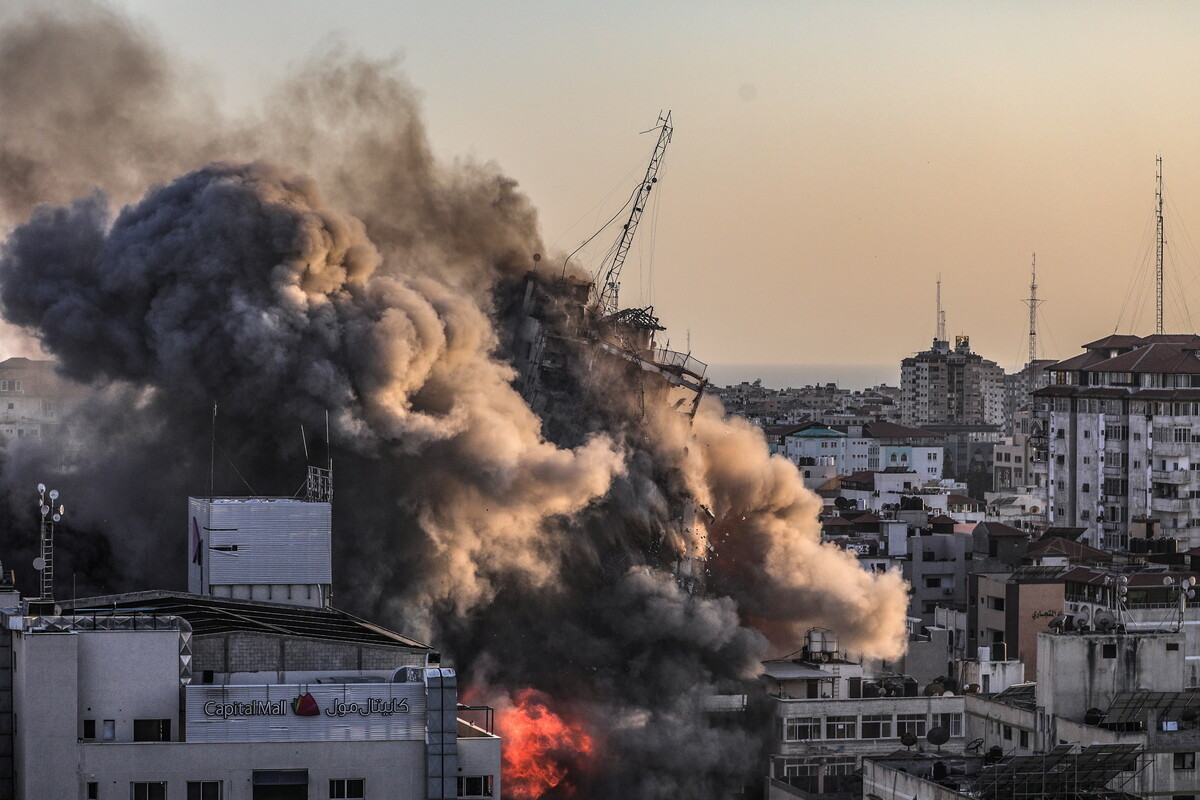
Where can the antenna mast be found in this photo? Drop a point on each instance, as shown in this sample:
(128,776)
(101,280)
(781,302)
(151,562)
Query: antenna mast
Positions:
(1158,252)
(610,285)
(1033,303)
(45,562)
(941,315)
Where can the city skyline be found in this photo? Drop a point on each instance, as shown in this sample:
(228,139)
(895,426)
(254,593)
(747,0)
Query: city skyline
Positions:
(828,162)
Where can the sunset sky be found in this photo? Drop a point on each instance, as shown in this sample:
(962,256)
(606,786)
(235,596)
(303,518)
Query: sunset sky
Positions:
(829,159)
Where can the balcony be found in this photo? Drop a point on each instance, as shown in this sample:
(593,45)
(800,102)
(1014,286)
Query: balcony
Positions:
(1170,505)
(1170,449)
(1173,476)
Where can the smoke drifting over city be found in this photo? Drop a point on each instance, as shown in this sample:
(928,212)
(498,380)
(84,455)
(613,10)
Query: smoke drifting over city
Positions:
(317,259)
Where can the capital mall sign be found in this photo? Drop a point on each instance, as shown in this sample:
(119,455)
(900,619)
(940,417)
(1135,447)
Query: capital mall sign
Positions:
(306,712)
(301,705)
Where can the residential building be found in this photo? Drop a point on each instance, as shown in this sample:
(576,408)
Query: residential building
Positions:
(1123,425)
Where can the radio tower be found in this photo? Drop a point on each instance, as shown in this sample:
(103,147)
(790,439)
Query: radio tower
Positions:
(941,315)
(1033,304)
(1158,254)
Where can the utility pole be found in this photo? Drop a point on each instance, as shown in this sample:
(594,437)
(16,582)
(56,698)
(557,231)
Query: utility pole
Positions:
(608,287)
(941,315)
(1033,304)
(1158,254)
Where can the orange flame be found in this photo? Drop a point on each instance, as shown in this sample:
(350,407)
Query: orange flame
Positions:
(538,746)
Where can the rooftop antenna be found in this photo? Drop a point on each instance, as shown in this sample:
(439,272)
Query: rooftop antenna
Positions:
(1033,304)
(941,315)
(1158,251)
(319,485)
(212,455)
(49,516)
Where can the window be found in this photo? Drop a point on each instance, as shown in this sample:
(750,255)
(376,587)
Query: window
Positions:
(110,729)
(1087,488)
(475,786)
(1024,738)
(1172,646)
(952,723)
(1008,732)
(911,723)
(148,790)
(152,730)
(89,729)
(93,790)
(841,727)
(347,788)
(799,729)
(877,726)
(1184,760)
(1110,651)
(204,790)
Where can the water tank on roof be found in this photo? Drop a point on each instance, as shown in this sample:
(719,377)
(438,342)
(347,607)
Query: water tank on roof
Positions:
(985,653)
(816,640)
(999,651)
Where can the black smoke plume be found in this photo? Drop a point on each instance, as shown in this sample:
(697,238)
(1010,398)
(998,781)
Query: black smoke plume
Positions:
(319,259)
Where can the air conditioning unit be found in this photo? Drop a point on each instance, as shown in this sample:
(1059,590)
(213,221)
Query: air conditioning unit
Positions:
(948,592)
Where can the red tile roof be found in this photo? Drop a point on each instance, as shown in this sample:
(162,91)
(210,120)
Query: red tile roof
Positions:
(961,500)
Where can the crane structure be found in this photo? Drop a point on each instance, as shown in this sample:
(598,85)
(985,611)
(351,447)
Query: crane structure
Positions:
(1033,304)
(609,285)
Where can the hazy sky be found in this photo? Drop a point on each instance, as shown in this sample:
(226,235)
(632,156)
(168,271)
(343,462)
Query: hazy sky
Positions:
(829,159)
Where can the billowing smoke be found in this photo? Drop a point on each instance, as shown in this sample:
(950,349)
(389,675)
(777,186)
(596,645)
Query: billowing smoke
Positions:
(608,554)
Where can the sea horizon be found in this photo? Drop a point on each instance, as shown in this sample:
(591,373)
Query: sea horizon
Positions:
(782,376)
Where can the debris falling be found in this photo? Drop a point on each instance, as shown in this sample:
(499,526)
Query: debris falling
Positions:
(582,538)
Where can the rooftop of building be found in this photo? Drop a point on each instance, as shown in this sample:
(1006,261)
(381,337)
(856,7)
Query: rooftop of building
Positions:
(1074,551)
(1063,773)
(890,430)
(1000,530)
(213,616)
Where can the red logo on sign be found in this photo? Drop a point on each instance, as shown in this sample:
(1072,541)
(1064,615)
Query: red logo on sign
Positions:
(305,706)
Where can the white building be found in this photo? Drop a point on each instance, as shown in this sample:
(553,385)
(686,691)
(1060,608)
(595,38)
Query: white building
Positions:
(828,716)
(875,446)
(180,696)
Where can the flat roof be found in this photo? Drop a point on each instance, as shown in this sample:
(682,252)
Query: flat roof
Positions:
(216,615)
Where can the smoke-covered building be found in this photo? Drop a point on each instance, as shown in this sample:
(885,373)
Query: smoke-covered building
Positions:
(159,695)
(33,398)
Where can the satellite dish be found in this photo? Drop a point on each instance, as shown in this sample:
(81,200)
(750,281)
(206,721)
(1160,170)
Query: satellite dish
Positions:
(938,735)
(947,694)
(56,517)
(45,510)
(908,738)
(41,488)
(1058,622)
(1167,581)
(54,494)
(1105,620)
(39,563)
